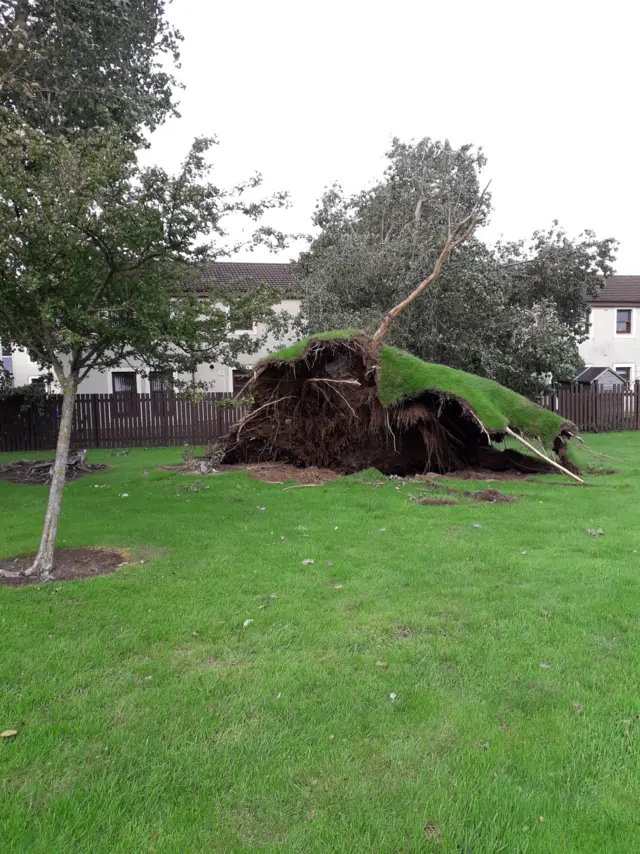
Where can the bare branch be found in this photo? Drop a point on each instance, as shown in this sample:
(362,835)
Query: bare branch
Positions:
(457,235)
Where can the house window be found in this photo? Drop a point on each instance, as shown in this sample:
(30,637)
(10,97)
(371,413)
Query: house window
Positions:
(240,379)
(125,394)
(160,381)
(163,401)
(624,371)
(623,321)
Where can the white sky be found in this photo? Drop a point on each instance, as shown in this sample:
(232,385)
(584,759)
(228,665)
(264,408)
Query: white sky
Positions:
(312,92)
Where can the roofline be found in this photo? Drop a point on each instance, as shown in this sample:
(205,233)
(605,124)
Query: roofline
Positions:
(577,376)
(624,303)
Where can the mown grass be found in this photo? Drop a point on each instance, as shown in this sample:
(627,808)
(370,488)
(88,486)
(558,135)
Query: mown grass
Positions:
(151,719)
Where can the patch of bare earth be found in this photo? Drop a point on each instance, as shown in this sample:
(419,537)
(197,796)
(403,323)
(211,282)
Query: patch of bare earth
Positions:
(493,496)
(267,472)
(69,565)
(438,502)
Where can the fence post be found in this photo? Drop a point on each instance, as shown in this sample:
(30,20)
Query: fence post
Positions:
(95,415)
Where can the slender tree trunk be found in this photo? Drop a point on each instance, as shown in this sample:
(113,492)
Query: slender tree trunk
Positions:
(43,564)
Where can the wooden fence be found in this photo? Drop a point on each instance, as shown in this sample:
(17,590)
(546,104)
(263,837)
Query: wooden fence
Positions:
(117,421)
(162,418)
(596,411)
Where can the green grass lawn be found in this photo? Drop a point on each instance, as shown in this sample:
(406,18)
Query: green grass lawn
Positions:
(152,717)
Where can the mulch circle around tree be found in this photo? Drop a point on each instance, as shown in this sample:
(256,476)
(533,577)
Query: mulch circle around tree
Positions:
(36,472)
(69,565)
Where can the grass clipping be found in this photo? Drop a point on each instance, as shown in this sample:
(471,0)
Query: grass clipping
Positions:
(335,401)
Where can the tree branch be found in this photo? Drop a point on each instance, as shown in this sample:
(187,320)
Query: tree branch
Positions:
(457,235)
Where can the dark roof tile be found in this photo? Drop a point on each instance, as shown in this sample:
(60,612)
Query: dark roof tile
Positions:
(619,290)
(244,276)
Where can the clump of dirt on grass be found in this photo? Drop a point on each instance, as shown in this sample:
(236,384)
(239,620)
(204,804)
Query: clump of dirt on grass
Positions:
(39,472)
(494,496)
(68,565)
(438,502)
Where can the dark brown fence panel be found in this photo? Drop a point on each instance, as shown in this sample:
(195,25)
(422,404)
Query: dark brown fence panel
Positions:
(117,421)
(594,410)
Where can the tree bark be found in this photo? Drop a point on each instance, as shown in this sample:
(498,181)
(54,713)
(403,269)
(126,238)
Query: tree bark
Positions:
(43,564)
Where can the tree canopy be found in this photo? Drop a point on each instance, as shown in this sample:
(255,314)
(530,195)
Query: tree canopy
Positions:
(87,64)
(514,312)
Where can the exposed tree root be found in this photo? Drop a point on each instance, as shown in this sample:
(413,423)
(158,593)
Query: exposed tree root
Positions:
(323,410)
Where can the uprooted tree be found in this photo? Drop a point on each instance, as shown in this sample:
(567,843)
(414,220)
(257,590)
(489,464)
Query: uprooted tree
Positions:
(99,262)
(348,401)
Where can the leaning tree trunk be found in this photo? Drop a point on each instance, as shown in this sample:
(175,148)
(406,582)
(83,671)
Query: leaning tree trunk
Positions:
(43,564)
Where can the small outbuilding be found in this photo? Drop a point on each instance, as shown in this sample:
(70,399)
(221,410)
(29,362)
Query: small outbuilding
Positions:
(603,379)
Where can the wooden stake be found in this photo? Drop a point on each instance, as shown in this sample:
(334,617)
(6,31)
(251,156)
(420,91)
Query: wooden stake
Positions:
(544,456)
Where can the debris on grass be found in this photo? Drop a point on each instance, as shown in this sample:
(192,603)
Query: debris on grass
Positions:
(9,733)
(431,831)
(393,696)
(577,707)
(594,532)
(308,562)
(40,472)
(246,623)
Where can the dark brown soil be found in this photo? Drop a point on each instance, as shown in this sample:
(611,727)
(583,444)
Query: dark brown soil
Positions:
(493,496)
(269,472)
(281,472)
(69,565)
(36,472)
(438,502)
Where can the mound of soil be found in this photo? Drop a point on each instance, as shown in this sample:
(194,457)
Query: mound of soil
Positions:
(281,472)
(38,472)
(69,565)
(438,502)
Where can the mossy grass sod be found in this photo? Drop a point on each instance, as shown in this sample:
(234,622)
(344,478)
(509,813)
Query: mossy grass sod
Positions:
(441,678)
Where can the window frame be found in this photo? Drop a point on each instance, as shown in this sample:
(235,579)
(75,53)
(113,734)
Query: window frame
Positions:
(631,332)
(125,402)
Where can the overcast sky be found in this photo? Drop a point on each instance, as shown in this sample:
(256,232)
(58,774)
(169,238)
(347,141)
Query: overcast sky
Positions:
(312,92)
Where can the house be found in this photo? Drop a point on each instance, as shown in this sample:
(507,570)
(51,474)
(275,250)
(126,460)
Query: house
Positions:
(19,365)
(613,328)
(603,379)
(128,377)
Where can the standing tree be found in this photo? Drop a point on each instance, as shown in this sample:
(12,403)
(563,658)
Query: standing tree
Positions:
(97,265)
(80,65)
(513,313)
